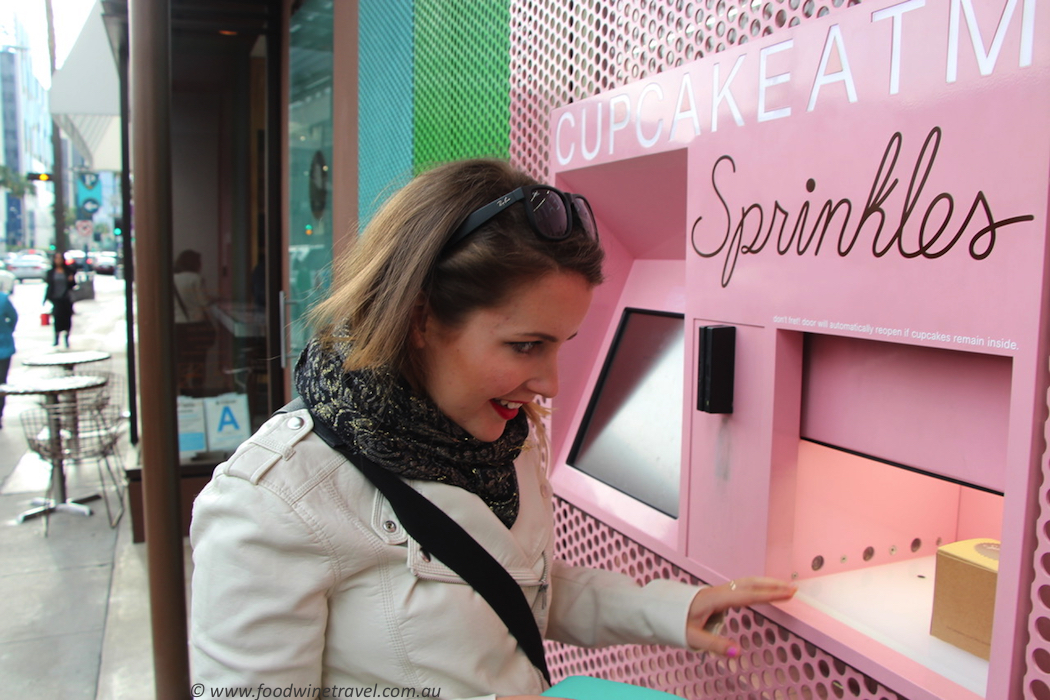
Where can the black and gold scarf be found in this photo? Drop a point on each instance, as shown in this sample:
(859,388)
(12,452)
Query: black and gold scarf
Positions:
(379,414)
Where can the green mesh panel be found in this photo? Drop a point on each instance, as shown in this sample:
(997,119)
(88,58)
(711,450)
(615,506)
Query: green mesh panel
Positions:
(461,80)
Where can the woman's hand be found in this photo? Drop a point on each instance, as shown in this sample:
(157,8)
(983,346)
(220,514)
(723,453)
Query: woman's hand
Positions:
(738,593)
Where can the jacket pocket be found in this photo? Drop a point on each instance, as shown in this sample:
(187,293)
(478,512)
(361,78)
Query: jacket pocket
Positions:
(385,523)
(424,566)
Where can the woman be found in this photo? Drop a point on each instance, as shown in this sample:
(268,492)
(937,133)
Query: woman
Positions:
(8,321)
(194,333)
(61,279)
(447,327)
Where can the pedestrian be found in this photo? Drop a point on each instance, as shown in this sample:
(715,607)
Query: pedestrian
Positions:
(194,332)
(8,321)
(425,368)
(7,281)
(59,291)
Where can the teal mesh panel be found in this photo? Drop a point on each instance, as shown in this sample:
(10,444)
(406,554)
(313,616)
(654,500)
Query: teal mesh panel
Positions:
(385,101)
(461,80)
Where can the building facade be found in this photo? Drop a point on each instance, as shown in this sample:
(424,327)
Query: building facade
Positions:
(27,143)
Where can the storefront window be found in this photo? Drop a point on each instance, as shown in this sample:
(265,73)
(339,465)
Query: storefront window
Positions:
(310,156)
(218,121)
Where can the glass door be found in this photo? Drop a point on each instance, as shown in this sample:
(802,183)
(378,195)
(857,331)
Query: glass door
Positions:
(310,158)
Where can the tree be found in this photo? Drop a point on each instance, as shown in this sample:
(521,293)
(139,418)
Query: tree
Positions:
(15,183)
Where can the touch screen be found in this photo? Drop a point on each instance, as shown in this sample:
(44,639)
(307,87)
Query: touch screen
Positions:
(631,435)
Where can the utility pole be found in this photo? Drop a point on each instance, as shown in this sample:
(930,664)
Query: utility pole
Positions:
(149,45)
(57,169)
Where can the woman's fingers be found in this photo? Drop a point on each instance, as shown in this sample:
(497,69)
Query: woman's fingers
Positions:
(738,593)
(706,641)
(756,589)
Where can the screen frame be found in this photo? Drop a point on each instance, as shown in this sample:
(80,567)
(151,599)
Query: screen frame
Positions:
(595,395)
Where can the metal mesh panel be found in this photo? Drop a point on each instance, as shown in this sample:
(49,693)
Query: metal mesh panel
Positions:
(548,53)
(1037,656)
(461,81)
(774,663)
(566,50)
(385,102)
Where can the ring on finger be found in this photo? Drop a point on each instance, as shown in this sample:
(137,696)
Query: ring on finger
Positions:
(732,585)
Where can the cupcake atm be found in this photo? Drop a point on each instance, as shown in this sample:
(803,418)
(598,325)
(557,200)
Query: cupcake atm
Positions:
(822,350)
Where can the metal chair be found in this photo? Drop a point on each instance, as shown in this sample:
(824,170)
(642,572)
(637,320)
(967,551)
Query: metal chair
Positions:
(78,432)
(110,399)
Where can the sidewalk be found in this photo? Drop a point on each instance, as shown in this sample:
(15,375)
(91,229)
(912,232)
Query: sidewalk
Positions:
(75,603)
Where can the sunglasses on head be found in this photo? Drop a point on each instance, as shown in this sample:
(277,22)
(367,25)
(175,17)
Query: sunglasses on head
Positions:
(549,210)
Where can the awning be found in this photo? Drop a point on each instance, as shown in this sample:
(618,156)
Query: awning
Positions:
(85,96)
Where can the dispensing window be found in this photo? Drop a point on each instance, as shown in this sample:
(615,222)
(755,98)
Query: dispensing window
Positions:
(902,450)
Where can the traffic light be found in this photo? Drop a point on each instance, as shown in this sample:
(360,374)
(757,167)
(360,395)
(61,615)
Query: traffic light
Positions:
(118,227)
(42,177)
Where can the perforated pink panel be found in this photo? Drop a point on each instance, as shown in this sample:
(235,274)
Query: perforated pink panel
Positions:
(774,663)
(571,49)
(1037,658)
(564,50)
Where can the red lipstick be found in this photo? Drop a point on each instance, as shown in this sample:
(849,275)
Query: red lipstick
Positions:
(504,412)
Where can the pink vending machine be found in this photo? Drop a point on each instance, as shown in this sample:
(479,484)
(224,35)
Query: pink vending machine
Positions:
(822,350)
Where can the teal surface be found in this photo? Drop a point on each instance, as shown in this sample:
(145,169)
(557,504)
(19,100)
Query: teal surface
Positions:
(586,688)
(385,102)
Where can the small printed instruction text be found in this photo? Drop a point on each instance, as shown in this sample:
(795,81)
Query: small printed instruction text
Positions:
(920,335)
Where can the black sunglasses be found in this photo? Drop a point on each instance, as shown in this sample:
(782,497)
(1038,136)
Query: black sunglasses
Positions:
(549,210)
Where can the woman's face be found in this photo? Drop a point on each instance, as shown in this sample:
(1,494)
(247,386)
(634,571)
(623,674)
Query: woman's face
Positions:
(481,372)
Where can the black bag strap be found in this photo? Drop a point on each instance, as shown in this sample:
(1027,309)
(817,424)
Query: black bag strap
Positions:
(182,304)
(442,537)
(179,298)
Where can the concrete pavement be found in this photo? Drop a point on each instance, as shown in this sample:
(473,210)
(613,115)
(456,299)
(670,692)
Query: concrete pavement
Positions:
(74,602)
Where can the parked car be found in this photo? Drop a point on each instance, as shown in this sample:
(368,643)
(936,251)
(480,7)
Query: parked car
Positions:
(80,261)
(106,263)
(29,266)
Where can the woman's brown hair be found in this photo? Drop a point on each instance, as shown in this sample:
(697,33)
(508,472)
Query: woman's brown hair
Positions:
(399,262)
(188,261)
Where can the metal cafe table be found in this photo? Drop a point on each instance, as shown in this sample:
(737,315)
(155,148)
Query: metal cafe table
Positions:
(52,389)
(66,360)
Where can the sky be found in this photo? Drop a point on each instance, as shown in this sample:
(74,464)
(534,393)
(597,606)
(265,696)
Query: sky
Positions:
(69,18)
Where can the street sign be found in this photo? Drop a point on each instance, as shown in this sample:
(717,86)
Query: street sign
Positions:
(89,195)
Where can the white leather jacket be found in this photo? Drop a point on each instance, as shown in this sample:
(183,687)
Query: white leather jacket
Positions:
(304,579)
